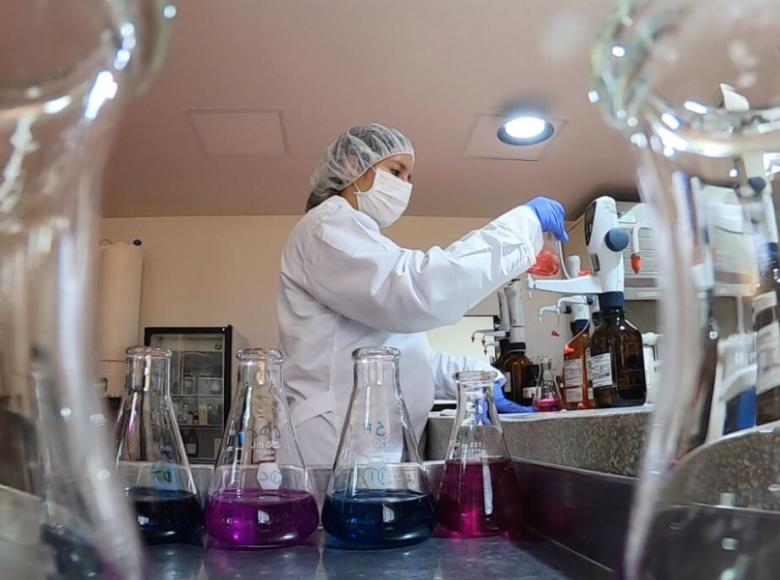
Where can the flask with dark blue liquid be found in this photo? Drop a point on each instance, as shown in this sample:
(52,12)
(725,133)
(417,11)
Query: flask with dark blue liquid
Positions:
(151,458)
(379,495)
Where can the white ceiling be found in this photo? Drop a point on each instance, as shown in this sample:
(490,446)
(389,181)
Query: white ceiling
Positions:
(429,67)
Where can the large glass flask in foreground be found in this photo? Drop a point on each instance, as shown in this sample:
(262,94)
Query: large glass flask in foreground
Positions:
(260,494)
(694,86)
(151,460)
(479,494)
(65,69)
(378,495)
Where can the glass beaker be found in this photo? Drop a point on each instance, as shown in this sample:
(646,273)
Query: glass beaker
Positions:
(479,494)
(694,86)
(378,496)
(66,69)
(151,459)
(260,494)
(548,261)
(547,398)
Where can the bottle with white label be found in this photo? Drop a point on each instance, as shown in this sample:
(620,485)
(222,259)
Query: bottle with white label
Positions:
(617,368)
(577,390)
(577,387)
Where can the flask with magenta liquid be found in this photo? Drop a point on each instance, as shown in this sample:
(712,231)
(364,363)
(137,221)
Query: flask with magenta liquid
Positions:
(548,398)
(151,458)
(260,494)
(379,496)
(479,493)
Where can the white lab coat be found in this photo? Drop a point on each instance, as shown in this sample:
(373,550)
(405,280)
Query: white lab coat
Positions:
(344,285)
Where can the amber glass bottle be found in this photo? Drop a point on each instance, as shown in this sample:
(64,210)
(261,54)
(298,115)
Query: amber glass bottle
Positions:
(617,368)
(577,388)
(514,365)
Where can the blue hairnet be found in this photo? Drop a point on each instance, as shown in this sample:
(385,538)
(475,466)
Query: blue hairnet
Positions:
(351,155)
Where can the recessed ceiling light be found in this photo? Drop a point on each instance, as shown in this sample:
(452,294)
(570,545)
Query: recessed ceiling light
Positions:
(525,130)
(618,51)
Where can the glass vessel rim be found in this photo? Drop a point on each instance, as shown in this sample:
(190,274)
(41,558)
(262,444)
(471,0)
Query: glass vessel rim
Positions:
(149,351)
(251,355)
(467,377)
(376,352)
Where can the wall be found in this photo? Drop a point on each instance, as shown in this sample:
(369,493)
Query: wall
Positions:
(212,271)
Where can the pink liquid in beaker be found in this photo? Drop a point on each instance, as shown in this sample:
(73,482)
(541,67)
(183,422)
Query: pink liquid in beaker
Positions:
(479,499)
(253,518)
(547,264)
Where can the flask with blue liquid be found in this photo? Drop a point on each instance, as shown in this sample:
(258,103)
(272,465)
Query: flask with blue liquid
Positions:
(379,496)
(151,458)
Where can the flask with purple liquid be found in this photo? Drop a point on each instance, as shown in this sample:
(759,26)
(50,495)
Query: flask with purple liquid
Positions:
(479,494)
(260,494)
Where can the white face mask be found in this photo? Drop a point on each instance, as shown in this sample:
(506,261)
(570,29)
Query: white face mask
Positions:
(386,200)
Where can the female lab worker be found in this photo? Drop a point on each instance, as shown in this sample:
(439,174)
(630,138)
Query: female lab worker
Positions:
(344,285)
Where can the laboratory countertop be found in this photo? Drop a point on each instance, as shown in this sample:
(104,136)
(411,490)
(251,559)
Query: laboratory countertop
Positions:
(601,440)
(437,558)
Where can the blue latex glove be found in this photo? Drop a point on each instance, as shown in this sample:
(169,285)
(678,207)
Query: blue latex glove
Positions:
(551,215)
(504,405)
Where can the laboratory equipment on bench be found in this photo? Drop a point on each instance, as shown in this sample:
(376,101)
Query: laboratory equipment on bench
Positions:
(478,494)
(577,390)
(378,496)
(734,400)
(202,370)
(617,358)
(548,261)
(68,70)
(705,136)
(514,363)
(642,265)
(651,347)
(150,458)
(547,397)
(260,494)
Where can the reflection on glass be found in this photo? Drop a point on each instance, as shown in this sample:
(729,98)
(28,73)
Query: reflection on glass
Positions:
(697,94)
(65,69)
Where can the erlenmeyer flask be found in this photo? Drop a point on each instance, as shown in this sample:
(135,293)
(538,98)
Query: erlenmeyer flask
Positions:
(548,398)
(66,69)
(548,261)
(694,85)
(260,494)
(479,494)
(151,459)
(378,496)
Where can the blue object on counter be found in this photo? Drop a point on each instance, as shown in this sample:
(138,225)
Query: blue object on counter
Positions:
(370,519)
(504,405)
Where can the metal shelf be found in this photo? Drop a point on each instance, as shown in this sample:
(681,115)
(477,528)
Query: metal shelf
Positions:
(183,425)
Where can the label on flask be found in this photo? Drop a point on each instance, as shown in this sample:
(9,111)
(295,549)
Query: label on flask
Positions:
(764,301)
(601,369)
(165,475)
(572,373)
(508,383)
(768,355)
(573,395)
(192,448)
